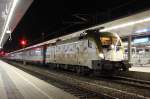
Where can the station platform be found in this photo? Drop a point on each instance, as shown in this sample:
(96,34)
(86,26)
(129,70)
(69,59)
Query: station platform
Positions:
(17,84)
(141,68)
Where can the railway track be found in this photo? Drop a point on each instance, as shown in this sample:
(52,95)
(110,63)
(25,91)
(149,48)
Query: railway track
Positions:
(80,93)
(132,82)
(77,91)
(105,89)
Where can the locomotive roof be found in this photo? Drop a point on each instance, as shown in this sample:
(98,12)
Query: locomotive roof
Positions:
(73,35)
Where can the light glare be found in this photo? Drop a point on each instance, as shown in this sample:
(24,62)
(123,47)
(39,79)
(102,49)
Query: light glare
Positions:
(126,24)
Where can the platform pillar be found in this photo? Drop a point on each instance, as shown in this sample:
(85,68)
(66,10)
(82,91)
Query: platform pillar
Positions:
(129,47)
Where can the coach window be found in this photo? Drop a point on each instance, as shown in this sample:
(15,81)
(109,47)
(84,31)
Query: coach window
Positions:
(38,52)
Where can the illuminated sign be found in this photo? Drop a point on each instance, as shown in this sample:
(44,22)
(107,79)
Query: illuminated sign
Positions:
(141,40)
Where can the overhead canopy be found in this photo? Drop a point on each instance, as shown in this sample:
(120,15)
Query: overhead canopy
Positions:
(134,24)
(11,11)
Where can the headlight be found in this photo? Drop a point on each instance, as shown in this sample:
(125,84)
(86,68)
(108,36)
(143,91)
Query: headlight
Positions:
(101,55)
(112,46)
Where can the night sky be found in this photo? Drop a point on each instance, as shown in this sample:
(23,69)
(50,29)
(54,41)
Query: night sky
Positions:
(59,17)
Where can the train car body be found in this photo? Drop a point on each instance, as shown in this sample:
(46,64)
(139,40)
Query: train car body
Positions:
(92,50)
(33,55)
(75,53)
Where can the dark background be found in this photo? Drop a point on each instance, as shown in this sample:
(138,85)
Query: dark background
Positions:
(47,19)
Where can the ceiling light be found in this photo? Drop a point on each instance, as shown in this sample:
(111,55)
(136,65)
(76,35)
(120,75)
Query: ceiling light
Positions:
(8,20)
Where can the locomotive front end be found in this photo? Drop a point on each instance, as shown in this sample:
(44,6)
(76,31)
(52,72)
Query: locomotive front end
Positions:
(111,53)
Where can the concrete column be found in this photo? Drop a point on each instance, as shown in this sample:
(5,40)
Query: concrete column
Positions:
(129,47)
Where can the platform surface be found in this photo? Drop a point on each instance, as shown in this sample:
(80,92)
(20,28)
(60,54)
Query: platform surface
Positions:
(17,84)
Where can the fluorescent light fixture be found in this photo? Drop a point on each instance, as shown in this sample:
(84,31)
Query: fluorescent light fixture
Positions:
(8,20)
(126,24)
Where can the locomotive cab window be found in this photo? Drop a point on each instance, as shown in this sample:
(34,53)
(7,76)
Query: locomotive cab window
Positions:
(107,41)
